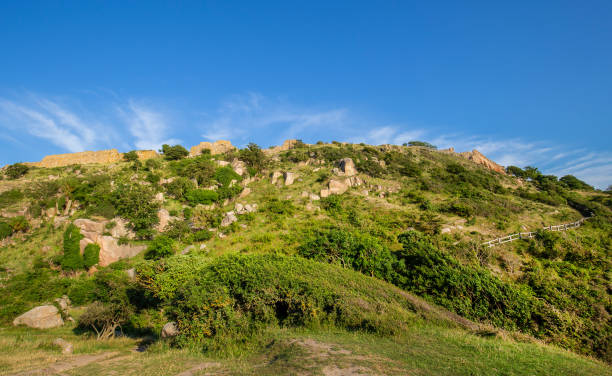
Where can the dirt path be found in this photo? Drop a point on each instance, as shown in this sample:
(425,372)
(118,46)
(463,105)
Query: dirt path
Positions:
(72,363)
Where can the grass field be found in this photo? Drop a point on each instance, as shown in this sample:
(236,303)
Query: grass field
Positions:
(422,350)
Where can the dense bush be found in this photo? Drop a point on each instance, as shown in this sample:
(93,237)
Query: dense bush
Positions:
(202,235)
(228,300)
(91,255)
(130,156)
(201,196)
(71,259)
(136,203)
(370,167)
(356,250)
(201,168)
(280,207)
(10,197)
(422,143)
(173,153)
(253,156)
(160,247)
(15,171)
(573,182)
(179,187)
(225,175)
(5,230)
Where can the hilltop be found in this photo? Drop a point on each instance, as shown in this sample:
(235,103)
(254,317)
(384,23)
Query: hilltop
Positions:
(301,258)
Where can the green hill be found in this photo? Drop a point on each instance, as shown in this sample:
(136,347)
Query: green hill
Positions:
(307,259)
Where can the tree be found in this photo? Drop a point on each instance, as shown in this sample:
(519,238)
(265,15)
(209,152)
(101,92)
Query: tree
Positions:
(15,171)
(104,319)
(174,153)
(253,156)
(136,203)
(162,246)
(532,172)
(516,171)
(91,255)
(573,182)
(423,144)
(130,156)
(72,260)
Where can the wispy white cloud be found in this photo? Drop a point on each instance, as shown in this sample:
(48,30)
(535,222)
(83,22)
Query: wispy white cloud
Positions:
(48,120)
(246,116)
(148,127)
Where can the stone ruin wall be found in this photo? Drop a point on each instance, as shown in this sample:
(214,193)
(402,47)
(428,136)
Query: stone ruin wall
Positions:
(88,157)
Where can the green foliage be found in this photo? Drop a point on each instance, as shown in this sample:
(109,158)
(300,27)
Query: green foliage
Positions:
(153,178)
(5,230)
(200,168)
(370,167)
(423,144)
(160,247)
(226,192)
(173,153)
(204,218)
(469,291)
(179,187)
(573,182)
(356,250)
(130,156)
(71,259)
(91,255)
(177,229)
(230,299)
(202,235)
(152,164)
(19,224)
(225,175)
(15,171)
(94,192)
(136,204)
(280,207)
(201,196)
(253,156)
(332,203)
(516,171)
(10,197)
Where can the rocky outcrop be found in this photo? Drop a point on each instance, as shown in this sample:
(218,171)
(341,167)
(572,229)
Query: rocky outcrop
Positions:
(347,166)
(87,157)
(288,144)
(230,217)
(239,167)
(338,187)
(42,317)
(275,176)
(289,178)
(110,249)
(477,157)
(217,147)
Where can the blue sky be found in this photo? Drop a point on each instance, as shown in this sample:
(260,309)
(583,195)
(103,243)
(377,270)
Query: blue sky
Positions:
(524,82)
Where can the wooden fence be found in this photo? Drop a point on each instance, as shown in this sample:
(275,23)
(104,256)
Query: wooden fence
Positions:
(529,235)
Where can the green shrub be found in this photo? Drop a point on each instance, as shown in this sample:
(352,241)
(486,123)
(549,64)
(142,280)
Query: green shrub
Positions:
(5,230)
(15,171)
(280,207)
(130,156)
(71,259)
(371,168)
(160,247)
(19,224)
(359,251)
(152,164)
(177,229)
(201,196)
(179,187)
(10,197)
(200,168)
(202,235)
(225,175)
(91,255)
(136,203)
(573,182)
(226,192)
(231,299)
(253,157)
(153,178)
(423,144)
(173,153)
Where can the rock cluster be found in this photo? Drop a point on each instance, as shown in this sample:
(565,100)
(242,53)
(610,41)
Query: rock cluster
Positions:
(477,157)
(338,187)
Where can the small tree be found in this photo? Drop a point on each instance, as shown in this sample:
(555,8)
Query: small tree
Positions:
(173,153)
(72,259)
(91,255)
(423,144)
(162,246)
(16,171)
(104,319)
(130,156)
(253,156)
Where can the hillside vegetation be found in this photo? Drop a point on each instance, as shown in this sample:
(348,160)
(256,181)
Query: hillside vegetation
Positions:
(255,254)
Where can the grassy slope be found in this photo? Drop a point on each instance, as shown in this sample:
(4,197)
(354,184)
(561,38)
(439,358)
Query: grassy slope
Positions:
(422,350)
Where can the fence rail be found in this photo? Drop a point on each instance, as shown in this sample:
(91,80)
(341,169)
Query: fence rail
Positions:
(529,235)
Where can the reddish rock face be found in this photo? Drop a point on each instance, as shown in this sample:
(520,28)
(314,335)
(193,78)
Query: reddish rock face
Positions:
(477,157)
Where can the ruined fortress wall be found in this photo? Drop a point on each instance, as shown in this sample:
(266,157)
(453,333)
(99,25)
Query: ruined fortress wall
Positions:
(217,147)
(87,157)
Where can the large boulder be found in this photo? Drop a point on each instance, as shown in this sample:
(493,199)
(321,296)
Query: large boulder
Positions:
(289,178)
(87,225)
(111,251)
(239,167)
(169,330)
(275,176)
(337,187)
(164,218)
(42,317)
(347,166)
